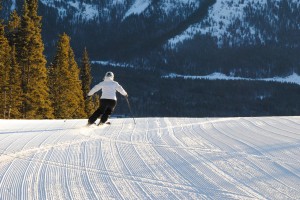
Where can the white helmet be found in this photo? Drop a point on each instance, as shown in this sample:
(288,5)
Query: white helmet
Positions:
(109,75)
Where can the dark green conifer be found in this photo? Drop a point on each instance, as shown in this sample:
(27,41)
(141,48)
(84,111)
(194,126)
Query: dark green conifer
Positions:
(86,78)
(15,90)
(4,72)
(13,28)
(30,48)
(65,90)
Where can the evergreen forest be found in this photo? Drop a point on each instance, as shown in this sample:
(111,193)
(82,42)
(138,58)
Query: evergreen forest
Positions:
(31,86)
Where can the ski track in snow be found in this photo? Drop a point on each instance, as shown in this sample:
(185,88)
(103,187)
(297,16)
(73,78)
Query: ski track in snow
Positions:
(158,158)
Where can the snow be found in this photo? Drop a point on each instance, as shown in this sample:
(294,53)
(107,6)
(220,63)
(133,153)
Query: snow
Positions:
(116,2)
(158,158)
(137,8)
(83,11)
(13,5)
(220,16)
(170,5)
(90,11)
(62,12)
(294,78)
(111,63)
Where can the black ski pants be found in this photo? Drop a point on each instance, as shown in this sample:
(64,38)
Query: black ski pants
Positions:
(106,108)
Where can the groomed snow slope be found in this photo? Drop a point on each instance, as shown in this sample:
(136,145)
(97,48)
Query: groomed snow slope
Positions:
(158,158)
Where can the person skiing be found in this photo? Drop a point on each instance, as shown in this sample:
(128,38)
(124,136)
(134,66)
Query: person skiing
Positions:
(108,100)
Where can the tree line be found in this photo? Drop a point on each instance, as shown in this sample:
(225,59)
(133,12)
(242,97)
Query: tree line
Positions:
(29,88)
(154,96)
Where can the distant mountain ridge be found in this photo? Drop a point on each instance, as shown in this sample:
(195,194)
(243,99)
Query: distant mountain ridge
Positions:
(229,18)
(133,30)
(88,10)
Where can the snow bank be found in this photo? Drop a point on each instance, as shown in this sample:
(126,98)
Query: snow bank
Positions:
(294,78)
(111,63)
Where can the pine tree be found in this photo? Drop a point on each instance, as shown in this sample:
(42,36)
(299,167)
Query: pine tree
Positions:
(13,28)
(66,93)
(4,72)
(15,90)
(86,78)
(30,48)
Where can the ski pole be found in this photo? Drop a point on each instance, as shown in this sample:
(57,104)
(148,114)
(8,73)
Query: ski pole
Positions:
(77,108)
(130,109)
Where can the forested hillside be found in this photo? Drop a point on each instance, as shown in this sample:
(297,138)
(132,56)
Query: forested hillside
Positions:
(30,88)
(52,52)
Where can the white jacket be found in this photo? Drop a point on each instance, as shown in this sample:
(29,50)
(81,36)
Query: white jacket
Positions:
(109,88)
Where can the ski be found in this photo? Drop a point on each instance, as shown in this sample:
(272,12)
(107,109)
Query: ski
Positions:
(89,125)
(100,124)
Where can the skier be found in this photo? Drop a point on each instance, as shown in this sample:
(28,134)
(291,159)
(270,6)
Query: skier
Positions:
(108,100)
